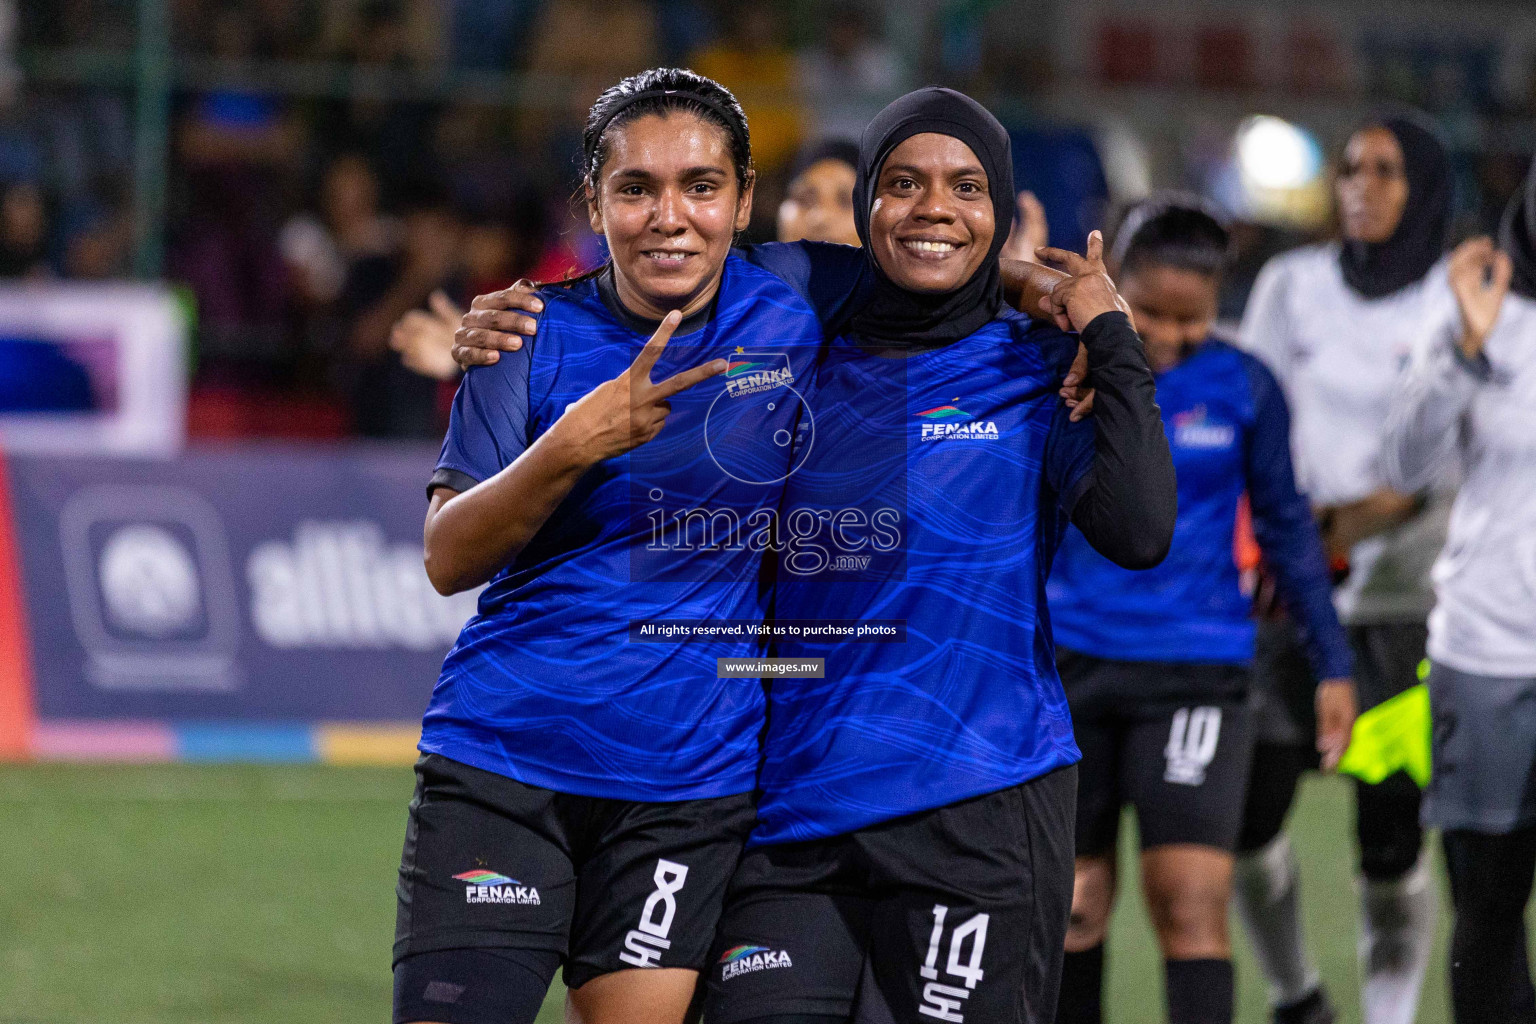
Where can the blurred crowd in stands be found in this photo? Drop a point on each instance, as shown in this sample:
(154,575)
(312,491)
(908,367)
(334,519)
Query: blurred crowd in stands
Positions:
(304,222)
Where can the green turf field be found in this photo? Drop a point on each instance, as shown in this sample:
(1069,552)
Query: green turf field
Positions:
(204,895)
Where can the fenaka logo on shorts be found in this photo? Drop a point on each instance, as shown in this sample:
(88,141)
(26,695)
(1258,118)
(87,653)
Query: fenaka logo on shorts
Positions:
(747,373)
(952,423)
(740,960)
(482,886)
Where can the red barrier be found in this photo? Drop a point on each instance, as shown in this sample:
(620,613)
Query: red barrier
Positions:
(16,708)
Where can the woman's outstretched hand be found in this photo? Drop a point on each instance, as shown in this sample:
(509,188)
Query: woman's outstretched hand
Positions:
(1029,233)
(1479,276)
(424,338)
(623,413)
(1088,290)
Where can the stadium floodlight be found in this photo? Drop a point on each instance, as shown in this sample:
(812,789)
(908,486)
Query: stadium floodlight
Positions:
(1273,153)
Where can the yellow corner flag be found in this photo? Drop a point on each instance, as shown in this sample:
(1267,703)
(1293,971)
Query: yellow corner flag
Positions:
(1392,735)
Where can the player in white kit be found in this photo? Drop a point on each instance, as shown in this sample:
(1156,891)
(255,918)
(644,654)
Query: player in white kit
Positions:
(1470,399)
(1336,323)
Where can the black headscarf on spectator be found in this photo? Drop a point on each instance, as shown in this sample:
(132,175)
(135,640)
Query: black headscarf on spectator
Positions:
(1517,237)
(895,316)
(1376,269)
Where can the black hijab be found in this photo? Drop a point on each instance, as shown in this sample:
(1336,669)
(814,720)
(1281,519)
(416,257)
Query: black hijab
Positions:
(1517,237)
(1376,269)
(894,316)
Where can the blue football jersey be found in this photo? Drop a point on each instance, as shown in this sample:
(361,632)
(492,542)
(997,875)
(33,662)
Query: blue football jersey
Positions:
(1228,430)
(934,495)
(554,682)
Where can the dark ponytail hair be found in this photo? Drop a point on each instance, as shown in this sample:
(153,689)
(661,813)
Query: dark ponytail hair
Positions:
(660,91)
(1172,230)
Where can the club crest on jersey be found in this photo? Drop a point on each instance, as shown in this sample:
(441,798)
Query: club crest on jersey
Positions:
(747,373)
(1191,430)
(482,886)
(749,959)
(952,423)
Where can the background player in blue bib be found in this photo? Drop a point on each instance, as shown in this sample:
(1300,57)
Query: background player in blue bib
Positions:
(912,855)
(1156,663)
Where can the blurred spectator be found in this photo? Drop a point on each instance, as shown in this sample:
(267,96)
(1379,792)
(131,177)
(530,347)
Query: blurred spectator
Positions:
(490,252)
(97,241)
(850,74)
(236,150)
(396,135)
(424,337)
(387,399)
(229,126)
(754,62)
(23,232)
(320,247)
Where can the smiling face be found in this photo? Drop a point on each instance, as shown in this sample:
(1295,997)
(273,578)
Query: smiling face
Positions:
(931,224)
(1372,186)
(1173,308)
(669,205)
(818,205)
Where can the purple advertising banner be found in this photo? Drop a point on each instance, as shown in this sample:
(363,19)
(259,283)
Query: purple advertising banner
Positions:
(258,583)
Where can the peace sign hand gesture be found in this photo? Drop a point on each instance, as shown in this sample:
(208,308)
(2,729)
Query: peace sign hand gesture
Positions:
(621,414)
(1480,278)
(1088,291)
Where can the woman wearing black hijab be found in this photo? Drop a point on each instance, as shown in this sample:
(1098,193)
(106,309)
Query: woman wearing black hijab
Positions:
(1336,322)
(1469,399)
(917,796)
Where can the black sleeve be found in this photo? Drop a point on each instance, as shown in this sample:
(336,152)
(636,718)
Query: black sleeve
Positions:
(452,479)
(1127,502)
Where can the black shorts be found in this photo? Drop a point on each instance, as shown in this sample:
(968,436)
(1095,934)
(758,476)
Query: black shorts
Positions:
(1387,657)
(956,914)
(490,863)
(1175,741)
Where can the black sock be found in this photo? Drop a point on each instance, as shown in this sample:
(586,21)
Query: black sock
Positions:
(1490,884)
(1199,991)
(1082,987)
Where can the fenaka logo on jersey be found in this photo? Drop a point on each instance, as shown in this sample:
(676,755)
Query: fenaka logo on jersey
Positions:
(747,373)
(1191,430)
(952,423)
(482,886)
(741,960)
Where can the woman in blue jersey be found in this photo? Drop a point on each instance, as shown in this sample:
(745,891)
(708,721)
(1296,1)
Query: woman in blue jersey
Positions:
(583,798)
(912,857)
(1156,664)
